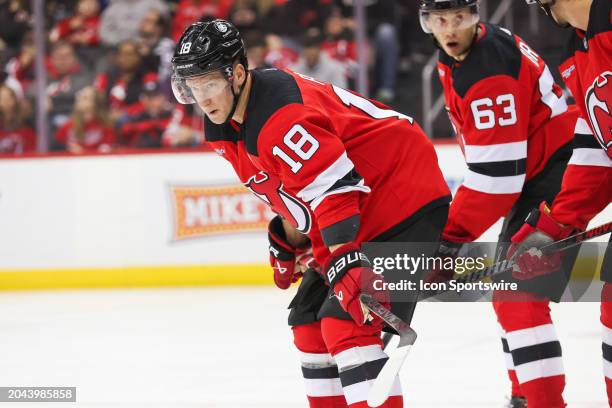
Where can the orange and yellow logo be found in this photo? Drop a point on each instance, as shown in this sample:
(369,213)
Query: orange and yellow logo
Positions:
(203,211)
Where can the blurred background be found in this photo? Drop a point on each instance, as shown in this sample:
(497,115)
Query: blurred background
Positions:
(106,182)
(92,76)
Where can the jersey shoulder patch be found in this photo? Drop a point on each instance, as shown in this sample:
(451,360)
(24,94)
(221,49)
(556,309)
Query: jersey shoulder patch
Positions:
(271,90)
(496,53)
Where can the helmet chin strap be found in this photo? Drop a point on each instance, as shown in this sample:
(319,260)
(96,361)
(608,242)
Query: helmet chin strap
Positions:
(546,7)
(235,97)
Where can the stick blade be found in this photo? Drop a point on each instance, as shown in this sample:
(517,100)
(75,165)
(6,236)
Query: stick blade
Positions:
(381,387)
(383,383)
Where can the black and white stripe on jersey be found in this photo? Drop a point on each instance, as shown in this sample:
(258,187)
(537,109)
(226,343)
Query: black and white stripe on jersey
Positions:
(496,168)
(339,177)
(586,149)
(500,168)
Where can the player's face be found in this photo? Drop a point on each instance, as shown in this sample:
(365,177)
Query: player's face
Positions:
(558,10)
(212,93)
(454,30)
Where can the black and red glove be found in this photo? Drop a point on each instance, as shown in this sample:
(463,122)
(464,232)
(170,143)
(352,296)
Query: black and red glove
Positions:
(349,273)
(287,261)
(445,250)
(540,229)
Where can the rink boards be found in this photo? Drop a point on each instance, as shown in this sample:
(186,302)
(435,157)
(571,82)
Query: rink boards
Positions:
(139,220)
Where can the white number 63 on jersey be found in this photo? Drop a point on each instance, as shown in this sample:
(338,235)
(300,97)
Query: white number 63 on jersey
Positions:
(484,117)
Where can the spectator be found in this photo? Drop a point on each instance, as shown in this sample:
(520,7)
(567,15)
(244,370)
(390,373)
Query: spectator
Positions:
(257,48)
(16,136)
(382,16)
(316,64)
(123,84)
(66,76)
(20,68)
(120,20)
(190,11)
(339,44)
(14,23)
(185,129)
(155,47)
(80,30)
(89,128)
(8,80)
(290,18)
(278,54)
(147,128)
(244,15)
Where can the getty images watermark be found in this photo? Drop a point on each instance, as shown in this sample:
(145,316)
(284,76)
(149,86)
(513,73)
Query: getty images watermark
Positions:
(37,394)
(455,265)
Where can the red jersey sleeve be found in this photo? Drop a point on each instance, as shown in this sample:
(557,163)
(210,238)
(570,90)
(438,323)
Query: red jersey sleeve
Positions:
(298,145)
(494,138)
(587,183)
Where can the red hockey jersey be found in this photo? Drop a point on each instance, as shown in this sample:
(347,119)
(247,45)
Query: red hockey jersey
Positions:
(338,166)
(587,71)
(509,116)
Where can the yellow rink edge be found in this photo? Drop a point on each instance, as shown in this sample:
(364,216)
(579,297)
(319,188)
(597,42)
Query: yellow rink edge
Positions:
(130,277)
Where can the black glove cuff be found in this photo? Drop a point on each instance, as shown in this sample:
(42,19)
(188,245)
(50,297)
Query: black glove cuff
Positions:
(339,265)
(279,247)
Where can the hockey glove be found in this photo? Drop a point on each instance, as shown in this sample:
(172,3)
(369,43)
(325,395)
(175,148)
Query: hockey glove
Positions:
(540,229)
(349,273)
(445,251)
(288,262)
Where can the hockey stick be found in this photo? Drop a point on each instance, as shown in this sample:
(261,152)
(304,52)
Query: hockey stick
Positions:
(381,387)
(386,339)
(507,265)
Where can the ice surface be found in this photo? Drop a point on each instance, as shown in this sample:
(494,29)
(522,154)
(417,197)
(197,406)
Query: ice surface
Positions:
(232,348)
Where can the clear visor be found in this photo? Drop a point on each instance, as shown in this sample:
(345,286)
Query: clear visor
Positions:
(441,21)
(197,89)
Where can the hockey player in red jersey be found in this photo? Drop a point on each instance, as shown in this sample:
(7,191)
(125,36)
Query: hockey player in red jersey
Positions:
(339,170)
(515,130)
(587,182)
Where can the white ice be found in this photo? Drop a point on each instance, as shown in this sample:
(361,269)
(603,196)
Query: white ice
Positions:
(232,348)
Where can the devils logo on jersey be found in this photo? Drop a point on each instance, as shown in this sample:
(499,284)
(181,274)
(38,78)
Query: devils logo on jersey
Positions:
(270,190)
(599,107)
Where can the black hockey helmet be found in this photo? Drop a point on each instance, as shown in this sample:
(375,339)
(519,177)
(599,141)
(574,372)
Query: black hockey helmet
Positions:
(203,48)
(427,7)
(546,7)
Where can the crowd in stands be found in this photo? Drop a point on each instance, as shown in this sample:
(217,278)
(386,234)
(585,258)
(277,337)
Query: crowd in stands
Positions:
(108,63)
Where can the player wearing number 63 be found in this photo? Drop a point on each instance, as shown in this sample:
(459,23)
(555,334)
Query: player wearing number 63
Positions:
(339,170)
(515,129)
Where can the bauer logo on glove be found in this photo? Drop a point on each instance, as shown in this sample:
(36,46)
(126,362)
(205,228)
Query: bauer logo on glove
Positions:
(349,273)
(347,261)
